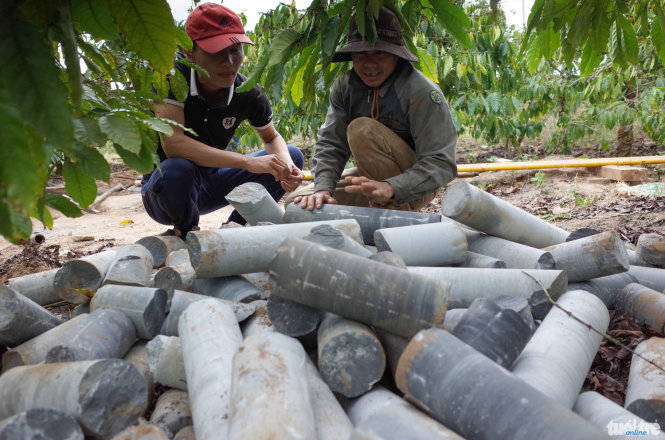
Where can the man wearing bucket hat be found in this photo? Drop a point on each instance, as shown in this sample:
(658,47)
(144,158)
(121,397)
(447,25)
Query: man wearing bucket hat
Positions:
(393,121)
(196,172)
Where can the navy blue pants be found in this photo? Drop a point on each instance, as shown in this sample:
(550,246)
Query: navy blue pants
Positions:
(183,191)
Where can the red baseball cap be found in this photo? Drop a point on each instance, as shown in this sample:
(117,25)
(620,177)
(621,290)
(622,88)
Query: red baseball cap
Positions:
(215,27)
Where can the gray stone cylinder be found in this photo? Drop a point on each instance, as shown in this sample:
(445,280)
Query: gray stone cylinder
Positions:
(651,247)
(231,288)
(236,251)
(477,398)
(210,337)
(350,356)
(474,259)
(591,257)
(605,288)
(181,300)
(131,267)
(369,219)
(498,333)
(651,277)
(357,288)
(484,212)
(105,395)
(291,318)
(270,368)
(41,424)
(166,362)
(160,247)
(431,244)
(145,306)
(33,351)
(106,333)
(467,284)
(644,305)
(255,204)
(37,286)
(514,255)
(77,280)
(384,415)
(172,411)
(21,318)
(560,353)
(645,393)
(607,415)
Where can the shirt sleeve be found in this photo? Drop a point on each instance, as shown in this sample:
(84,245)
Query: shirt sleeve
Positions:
(261,112)
(435,140)
(331,151)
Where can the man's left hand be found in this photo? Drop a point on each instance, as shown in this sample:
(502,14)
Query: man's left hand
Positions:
(380,192)
(293,180)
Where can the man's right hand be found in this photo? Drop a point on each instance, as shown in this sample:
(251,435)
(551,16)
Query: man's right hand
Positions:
(268,164)
(315,200)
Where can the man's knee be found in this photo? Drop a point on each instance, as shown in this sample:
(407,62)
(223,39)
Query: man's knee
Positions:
(359,129)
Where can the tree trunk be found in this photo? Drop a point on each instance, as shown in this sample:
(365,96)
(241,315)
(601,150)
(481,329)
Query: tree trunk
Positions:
(625,132)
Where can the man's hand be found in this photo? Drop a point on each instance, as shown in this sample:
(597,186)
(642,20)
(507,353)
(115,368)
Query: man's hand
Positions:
(316,200)
(293,180)
(380,192)
(269,164)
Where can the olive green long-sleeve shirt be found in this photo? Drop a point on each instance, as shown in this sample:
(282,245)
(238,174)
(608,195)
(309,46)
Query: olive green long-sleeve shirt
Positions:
(410,105)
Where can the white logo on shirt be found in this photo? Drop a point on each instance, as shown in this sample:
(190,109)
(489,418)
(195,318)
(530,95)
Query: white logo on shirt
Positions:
(228,122)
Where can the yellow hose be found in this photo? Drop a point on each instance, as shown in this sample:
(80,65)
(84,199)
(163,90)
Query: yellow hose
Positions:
(543,164)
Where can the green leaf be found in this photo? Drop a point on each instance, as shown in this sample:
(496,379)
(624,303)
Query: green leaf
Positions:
(493,102)
(329,36)
(143,162)
(282,45)
(87,130)
(159,125)
(148,28)
(94,17)
(453,19)
(32,81)
(601,26)
(297,87)
(81,187)
(658,32)
(447,64)
(23,159)
(14,226)
(93,55)
(630,45)
(590,60)
(160,83)
(548,41)
(92,162)
(122,130)
(428,66)
(62,204)
(183,40)
(178,85)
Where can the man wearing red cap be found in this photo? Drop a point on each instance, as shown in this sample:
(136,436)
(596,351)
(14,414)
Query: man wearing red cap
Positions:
(196,172)
(393,120)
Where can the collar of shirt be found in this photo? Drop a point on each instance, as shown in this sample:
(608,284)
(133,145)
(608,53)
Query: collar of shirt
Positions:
(194,90)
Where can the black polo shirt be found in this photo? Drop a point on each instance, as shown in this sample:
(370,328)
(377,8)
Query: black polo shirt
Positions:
(216,123)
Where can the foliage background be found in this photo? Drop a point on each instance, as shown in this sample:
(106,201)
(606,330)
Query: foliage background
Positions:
(79,76)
